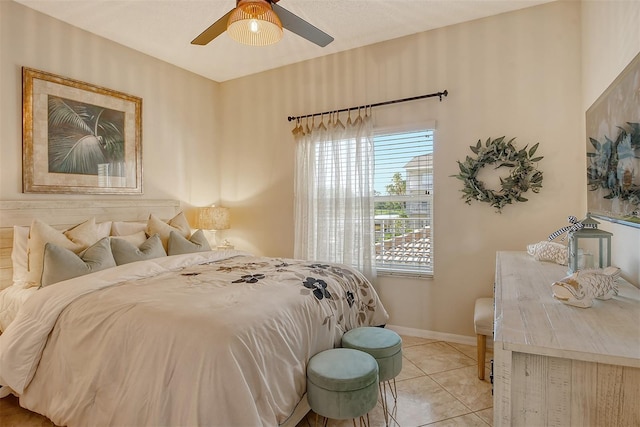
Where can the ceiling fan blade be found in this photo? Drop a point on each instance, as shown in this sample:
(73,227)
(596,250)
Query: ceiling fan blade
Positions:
(217,28)
(297,25)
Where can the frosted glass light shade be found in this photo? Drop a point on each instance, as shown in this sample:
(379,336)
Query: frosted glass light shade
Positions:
(254,22)
(213,218)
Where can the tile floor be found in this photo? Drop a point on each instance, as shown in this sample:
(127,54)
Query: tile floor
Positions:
(438,386)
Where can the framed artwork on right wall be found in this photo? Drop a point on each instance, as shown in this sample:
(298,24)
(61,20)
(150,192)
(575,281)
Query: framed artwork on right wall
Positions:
(613,150)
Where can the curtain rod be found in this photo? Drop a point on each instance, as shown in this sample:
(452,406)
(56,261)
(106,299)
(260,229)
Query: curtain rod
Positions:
(413,98)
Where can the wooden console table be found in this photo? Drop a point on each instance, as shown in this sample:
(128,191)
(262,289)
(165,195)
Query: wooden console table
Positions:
(558,365)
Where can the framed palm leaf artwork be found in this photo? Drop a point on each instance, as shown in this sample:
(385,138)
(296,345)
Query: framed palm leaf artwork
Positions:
(613,150)
(79,138)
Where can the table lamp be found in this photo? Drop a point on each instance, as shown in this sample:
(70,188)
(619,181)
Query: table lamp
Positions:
(213,218)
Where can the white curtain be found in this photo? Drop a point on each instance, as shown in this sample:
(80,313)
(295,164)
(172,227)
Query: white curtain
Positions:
(334,193)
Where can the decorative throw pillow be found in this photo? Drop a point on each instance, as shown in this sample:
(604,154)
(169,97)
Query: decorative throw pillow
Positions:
(85,233)
(178,223)
(19,259)
(103,229)
(62,264)
(179,244)
(125,252)
(136,239)
(75,239)
(123,228)
(549,251)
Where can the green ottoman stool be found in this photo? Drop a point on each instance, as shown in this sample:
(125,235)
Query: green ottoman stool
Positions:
(386,347)
(342,384)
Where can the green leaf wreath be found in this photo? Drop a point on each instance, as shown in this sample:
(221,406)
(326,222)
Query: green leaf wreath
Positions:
(523,175)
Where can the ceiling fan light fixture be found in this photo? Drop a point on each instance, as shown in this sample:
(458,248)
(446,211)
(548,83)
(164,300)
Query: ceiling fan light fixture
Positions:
(254,22)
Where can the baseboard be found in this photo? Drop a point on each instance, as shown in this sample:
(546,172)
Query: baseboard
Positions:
(441,336)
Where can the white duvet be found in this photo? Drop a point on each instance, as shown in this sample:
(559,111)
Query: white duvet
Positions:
(11,299)
(189,340)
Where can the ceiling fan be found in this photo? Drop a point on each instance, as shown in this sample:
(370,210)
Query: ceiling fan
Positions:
(260,22)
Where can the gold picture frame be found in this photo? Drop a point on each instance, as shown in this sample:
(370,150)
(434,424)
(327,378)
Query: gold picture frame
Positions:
(79,138)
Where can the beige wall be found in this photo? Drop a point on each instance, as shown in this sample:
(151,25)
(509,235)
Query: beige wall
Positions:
(516,74)
(610,40)
(181,125)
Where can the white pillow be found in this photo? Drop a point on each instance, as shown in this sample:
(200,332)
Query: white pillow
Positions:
(103,229)
(19,259)
(75,239)
(178,224)
(136,239)
(122,228)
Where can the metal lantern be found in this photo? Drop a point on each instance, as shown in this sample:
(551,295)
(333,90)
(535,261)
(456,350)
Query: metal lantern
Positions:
(589,247)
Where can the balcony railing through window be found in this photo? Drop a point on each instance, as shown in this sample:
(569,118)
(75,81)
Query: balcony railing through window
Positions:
(403,233)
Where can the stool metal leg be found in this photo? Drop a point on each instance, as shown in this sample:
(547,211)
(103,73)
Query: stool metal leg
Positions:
(384,402)
(325,421)
(383,397)
(362,422)
(394,390)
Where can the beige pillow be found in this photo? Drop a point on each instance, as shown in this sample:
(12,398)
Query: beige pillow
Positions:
(62,264)
(19,258)
(179,245)
(103,229)
(124,252)
(135,239)
(75,239)
(85,233)
(178,223)
(123,228)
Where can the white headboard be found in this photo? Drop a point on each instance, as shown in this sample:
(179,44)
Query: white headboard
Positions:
(65,213)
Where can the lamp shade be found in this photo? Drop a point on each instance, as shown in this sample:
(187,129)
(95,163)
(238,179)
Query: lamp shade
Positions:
(254,22)
(213,218)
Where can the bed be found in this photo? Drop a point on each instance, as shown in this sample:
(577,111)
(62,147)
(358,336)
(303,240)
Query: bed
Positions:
(194,338)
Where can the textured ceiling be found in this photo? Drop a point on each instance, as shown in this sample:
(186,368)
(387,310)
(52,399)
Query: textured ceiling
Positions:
(164,28)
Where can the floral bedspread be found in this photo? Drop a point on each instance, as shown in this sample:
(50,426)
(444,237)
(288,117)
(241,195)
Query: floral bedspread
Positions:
(215,338)
(346,295)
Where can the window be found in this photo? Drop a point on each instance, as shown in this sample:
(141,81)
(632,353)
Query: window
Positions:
(403,184)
